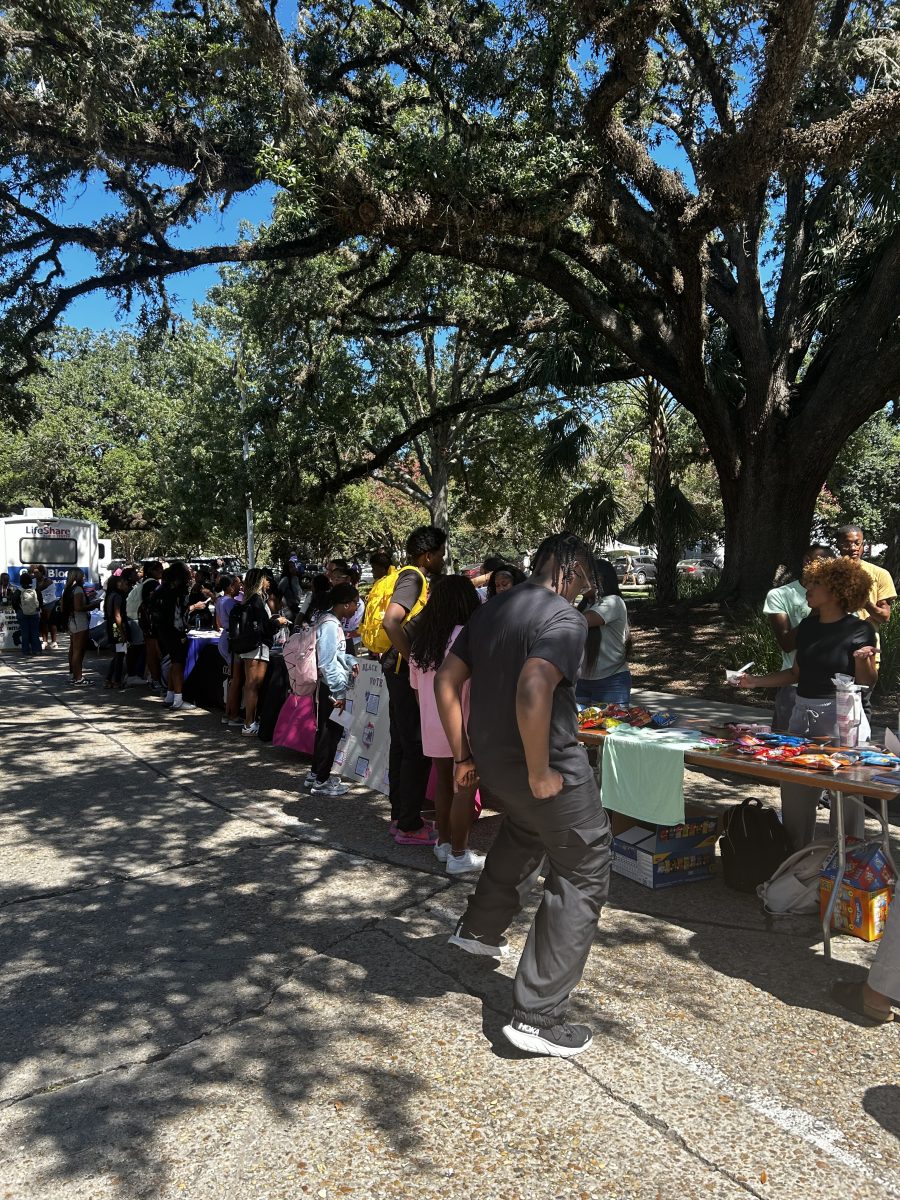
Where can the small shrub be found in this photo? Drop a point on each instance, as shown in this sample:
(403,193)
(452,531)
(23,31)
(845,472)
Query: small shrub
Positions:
(889,672)
(751,640)
(697,587)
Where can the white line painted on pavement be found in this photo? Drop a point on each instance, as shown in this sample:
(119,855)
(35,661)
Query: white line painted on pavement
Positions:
(793,1121)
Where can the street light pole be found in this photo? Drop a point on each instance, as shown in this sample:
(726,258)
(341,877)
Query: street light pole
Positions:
(245,435)
(251,543)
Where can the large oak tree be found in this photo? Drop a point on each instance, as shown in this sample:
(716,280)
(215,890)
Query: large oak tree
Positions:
(709,187)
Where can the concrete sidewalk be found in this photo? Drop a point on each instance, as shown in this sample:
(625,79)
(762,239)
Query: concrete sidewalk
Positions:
(215,987)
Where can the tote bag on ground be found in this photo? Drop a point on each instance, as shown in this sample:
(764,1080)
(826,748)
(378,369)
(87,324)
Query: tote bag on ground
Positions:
(295,728)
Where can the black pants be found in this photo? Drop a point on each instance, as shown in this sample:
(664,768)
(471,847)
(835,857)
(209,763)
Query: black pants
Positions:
(328,734)
(408,768)
(567,839)
(116,668)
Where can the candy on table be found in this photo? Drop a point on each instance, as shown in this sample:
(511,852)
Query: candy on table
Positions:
(639,716)
(871,758)
(817,762)
(663,718)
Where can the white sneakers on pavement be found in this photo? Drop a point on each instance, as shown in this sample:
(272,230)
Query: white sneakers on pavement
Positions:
(467,863)
(331,787)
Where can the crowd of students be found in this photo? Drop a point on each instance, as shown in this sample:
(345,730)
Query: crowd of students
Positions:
(484,678)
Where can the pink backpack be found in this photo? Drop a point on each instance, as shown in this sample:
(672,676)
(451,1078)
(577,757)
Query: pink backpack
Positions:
(300,660)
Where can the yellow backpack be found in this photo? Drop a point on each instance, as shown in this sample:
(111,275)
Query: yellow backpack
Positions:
(370,629)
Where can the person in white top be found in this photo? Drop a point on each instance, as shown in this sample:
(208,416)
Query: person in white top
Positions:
(786,607)
(605,677)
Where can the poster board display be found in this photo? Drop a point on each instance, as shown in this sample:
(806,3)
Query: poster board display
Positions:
(363,753)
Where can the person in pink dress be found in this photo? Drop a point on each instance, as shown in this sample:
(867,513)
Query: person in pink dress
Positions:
(452,601)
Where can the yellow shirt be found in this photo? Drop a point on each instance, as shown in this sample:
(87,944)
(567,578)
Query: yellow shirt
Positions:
(882,589)
(882,584)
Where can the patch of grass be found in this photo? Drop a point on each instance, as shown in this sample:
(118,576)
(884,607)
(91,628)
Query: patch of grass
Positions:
(750,640)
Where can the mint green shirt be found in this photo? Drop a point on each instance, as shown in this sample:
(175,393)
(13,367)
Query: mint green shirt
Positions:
(789,599)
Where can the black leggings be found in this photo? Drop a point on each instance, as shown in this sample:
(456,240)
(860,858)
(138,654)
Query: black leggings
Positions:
(116,668)
(328,734)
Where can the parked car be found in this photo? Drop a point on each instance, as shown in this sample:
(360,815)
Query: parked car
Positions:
(643,568)
(698,568)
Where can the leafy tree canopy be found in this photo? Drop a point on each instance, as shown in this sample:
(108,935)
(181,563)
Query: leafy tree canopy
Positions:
(710,189)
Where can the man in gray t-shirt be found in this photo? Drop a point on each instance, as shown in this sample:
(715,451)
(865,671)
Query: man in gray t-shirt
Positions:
(521,654)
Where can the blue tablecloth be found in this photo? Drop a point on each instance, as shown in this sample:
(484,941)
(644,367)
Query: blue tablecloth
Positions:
(197,639)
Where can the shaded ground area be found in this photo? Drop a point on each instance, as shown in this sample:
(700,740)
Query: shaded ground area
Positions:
(683,649)
(216,987)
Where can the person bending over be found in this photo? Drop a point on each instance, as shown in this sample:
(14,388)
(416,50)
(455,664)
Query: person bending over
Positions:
(522,653)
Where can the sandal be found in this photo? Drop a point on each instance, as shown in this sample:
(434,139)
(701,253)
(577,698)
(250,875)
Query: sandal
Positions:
(852,996)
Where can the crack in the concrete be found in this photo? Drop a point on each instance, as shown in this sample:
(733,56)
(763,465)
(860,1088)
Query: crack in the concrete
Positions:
(638,1110)
(158,1056)
(370,925)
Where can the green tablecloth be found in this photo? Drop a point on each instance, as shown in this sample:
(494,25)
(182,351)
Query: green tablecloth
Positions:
(642,773)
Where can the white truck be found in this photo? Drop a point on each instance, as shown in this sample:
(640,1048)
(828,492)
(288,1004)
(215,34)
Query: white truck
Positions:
(36,537)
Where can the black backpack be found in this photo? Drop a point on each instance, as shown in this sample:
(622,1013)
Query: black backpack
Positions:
(244,631)
(753,845)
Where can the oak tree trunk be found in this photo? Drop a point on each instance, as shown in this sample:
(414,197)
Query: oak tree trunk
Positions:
(769,497)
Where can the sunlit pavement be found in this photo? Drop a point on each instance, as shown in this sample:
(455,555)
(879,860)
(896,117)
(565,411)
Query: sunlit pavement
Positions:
(215,986)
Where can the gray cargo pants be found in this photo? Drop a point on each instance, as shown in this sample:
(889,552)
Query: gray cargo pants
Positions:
(570,836)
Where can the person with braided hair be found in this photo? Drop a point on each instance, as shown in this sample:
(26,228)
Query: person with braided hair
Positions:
(521,654)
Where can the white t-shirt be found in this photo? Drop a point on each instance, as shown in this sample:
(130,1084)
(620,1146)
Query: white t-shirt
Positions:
(614,632)
(789,599)
(133,601)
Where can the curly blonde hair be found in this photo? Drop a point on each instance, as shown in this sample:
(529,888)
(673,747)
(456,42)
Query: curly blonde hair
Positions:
(843,577)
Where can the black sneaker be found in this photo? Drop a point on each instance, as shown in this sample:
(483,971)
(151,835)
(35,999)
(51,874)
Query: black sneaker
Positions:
(473,944)
(558,1041)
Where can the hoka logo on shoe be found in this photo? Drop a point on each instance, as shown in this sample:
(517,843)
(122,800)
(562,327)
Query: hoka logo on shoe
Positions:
(530,1029)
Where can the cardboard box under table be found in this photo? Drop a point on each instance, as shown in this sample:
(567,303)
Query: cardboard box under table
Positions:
(864,894)
(661,856)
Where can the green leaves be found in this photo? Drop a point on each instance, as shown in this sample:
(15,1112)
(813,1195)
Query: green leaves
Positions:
(594,513)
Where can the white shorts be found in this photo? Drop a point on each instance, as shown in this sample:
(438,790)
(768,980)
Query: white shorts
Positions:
(260,654)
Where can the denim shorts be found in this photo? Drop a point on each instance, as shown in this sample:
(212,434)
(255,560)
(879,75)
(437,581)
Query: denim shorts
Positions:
(614,689)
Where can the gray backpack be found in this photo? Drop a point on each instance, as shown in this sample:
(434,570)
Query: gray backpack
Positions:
(29,603)
(794,888)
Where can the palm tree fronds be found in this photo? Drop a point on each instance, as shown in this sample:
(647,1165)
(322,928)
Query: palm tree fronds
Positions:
(642,530)
(594,513)
(567,442)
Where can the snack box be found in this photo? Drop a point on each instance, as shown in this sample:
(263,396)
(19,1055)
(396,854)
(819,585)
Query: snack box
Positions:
(858,912)
(868,869)
(664,856)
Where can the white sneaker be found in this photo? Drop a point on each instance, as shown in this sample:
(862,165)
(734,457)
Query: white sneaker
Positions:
(184,707)
(309,782)
(248,729)
(54,645)
(331,787)
(474,945)
(442,851)
(468,863)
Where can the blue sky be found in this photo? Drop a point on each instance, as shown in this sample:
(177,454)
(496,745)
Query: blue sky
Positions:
(98,310)
(89,202)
